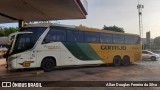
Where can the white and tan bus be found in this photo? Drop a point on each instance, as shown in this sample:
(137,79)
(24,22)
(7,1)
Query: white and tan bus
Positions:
(52,45)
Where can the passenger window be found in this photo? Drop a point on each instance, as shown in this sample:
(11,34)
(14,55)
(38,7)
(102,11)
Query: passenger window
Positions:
(74,36)
(118,39)
(132,39)
(55,35)
(91,37)
(106,38)
(81,37)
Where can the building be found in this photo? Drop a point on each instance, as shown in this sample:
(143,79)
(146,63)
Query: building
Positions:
(145,46)
(144,41)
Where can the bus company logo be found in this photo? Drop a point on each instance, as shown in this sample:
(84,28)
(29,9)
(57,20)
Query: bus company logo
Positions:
(109,47)
(6,84)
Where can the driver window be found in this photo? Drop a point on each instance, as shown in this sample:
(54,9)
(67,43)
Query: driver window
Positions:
(24,43)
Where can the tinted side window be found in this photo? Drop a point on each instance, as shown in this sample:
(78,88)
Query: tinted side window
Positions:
(137,39)
(55,35)
(132,39)
(118,39)
(105,38)
(74,36)
(37,32)
(91,37)
(81,36)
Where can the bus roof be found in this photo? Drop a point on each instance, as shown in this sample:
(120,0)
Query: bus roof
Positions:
(48,25)
(82,28)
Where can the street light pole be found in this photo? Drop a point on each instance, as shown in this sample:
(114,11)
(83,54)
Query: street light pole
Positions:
(140,7)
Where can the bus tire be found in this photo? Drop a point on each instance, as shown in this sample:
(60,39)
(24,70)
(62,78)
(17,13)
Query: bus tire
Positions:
(117,61)
(48,64)
(125,61)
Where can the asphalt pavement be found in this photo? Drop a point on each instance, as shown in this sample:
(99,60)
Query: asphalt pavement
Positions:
(145,70)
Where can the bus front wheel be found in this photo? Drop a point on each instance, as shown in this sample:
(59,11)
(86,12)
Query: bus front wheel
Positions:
(48,64)
(117,61)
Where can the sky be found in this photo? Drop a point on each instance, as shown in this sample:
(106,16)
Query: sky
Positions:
(122,13)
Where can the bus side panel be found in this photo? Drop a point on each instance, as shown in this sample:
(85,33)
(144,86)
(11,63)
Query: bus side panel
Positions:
(43,54)
(108,51)
(137,52)
(48,50)
(78,54)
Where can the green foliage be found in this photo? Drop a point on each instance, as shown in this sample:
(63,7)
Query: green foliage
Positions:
(7,31)
(2,33)
(113,28)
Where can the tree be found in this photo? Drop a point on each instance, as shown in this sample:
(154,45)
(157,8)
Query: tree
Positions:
(1,33)
(113,28)
(7,31)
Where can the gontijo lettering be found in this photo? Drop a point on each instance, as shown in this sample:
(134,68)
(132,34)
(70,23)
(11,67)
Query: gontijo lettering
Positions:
(109,47)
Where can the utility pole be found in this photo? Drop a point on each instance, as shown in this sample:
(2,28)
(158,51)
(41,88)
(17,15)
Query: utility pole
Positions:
(140,7)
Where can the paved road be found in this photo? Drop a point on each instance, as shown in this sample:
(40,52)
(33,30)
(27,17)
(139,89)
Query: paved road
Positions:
(145,70)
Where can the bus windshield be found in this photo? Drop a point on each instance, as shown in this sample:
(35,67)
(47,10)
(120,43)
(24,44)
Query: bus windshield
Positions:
(27,41)
(23,42)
